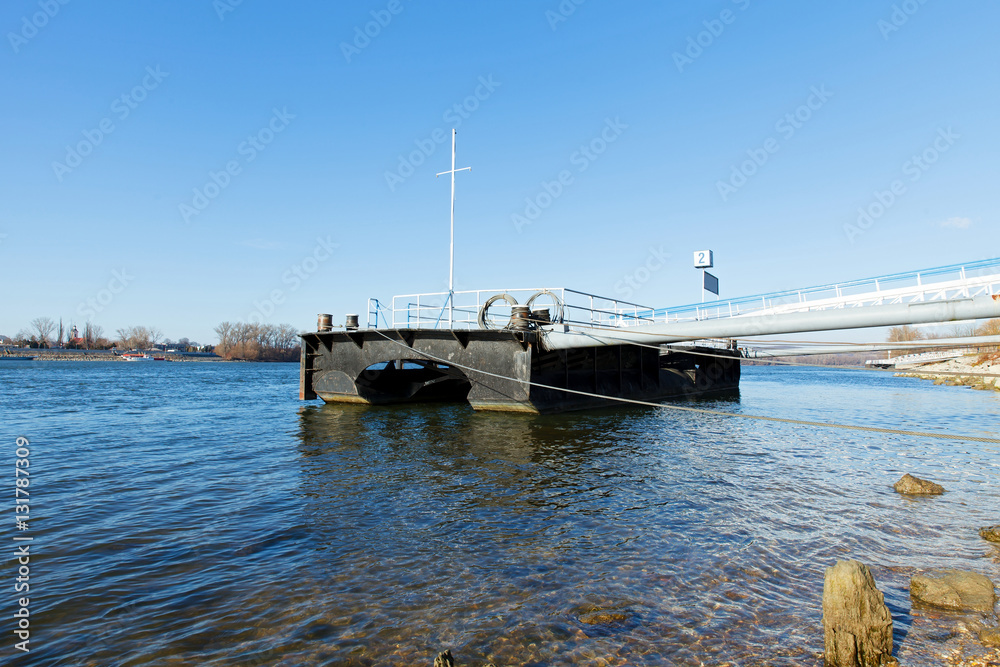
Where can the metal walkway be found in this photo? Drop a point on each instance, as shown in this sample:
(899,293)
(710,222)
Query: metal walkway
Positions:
(579,319)
(957,281)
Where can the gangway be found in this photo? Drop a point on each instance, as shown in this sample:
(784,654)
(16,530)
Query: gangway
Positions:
(945,294)
(579,319)
(956,281)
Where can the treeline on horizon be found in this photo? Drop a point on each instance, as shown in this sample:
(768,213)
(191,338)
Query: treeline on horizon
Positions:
(250,341)
(908,333)
(237,340)
(44,333)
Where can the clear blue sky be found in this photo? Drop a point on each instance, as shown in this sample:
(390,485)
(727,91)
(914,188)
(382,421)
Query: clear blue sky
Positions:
(332,111)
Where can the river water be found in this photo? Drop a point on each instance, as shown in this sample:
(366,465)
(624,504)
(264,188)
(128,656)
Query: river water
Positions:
(199,514)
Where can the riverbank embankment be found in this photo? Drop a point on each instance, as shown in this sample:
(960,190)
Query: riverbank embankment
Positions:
(976,371)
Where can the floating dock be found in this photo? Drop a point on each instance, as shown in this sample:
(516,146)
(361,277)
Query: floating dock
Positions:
(499,361)
(557,349)
(513,372)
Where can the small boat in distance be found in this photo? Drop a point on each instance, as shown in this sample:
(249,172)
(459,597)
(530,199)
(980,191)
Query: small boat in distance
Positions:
(15,357)
(128,356)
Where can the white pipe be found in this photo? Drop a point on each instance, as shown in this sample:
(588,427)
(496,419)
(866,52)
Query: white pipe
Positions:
(938,344)
(785,323)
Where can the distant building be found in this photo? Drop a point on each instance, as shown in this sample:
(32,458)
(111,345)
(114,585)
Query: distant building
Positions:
(74,338)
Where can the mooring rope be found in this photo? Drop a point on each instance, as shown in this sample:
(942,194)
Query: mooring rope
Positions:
(705,411)
(777,362)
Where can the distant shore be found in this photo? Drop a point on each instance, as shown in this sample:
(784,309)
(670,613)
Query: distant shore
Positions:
(47,354)
(961,372)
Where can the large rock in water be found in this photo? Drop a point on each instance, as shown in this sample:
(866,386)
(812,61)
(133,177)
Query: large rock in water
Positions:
(990,533)
(444,660)
(914,486)
(857,625)
(954,589)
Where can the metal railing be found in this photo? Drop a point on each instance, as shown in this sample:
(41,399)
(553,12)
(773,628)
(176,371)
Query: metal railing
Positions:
(375,308)
(919,358)
(937,284)
(435,310)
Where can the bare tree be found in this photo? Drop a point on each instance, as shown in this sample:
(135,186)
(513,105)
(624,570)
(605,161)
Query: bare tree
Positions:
(905,333)
(136,338)
(62,332)
(251,341)
(249,337)
(42,328)
(91,332)
(989,328)
(288,337)
(962,331)
(225,332)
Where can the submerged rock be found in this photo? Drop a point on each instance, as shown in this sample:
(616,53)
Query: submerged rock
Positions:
(954,589)
(990,533)
(857,625)
(914,486)
(990,637)
(603,617)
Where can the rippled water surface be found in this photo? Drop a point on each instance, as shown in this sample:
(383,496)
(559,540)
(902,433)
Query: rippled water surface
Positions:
(199,514)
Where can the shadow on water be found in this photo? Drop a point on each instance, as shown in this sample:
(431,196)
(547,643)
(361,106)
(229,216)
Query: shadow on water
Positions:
(338,424)
(570,533)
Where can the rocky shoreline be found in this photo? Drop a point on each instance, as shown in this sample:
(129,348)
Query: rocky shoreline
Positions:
(858,626)
(961,372)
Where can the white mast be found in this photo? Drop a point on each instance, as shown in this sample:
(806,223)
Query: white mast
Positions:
(451,264)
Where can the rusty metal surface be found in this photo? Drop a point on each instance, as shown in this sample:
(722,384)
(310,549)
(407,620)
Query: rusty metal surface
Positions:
(406,365)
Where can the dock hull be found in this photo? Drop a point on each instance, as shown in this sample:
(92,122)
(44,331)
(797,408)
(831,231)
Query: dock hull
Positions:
(491,370)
